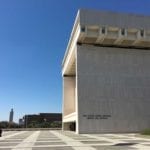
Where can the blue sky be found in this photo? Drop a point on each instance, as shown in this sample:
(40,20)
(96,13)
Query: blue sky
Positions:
(33,39)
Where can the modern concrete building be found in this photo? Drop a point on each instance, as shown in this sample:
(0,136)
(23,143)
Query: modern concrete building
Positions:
(106,73)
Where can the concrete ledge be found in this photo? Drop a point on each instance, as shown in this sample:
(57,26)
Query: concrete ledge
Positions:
(31,129)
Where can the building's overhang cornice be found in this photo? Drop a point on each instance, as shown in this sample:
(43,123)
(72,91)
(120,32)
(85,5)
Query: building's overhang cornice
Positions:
(73,37)
(105,35)
(114,36)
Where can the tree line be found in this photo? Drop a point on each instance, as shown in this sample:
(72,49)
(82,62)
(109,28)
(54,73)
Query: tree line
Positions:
(33,124)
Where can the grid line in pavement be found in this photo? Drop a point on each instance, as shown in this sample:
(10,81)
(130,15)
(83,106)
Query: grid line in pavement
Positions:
(59,140)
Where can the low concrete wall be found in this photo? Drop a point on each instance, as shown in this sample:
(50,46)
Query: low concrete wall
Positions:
(30,129)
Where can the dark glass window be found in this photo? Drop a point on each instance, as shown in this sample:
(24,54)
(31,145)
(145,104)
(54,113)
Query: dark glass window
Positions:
(123,31)
(82,29)
(142,33)
(103,30)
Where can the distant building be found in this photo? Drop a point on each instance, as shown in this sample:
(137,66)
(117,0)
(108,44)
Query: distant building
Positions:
(11,116)
(21,122)
(42,117)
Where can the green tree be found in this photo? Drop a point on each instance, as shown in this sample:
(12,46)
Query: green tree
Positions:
(6,124)
(56,125)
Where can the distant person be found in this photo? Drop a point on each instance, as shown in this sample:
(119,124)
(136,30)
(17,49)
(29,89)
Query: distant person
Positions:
(0,132)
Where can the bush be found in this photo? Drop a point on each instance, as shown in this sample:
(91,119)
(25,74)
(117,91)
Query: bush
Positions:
(36,124)
(6,124)
(146,132)
(56,125)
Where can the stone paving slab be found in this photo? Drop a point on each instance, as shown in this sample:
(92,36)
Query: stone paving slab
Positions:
(53,148)
(136,141)
(8,133)
(11,140)
(8,144)
(113,148)
(5,148)
(58,140)
(50,143)
(46,140)
(94,142)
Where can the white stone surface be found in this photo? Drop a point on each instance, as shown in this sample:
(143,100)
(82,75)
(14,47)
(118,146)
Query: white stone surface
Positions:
(28,143)
(113,82)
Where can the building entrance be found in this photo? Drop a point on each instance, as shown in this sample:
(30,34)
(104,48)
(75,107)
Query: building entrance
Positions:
(72,126)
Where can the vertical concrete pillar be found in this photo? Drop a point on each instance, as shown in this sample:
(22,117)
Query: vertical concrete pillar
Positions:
(68,97)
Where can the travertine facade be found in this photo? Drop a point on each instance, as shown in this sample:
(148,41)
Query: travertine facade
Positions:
(106,73)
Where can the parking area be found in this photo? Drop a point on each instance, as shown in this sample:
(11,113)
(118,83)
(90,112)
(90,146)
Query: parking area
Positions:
(58,140)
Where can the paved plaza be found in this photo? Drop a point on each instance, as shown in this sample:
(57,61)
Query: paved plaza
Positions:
(58,140)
